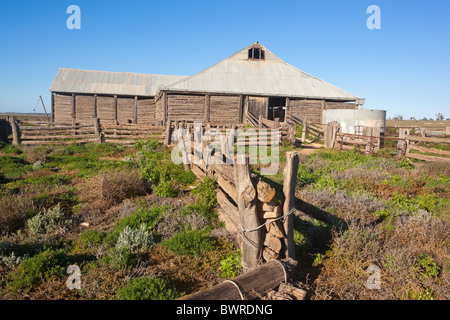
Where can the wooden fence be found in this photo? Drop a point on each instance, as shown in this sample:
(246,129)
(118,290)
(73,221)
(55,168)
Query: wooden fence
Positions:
(251,210)
(241,136)
(373,140)
(411,142)
(42,133)
(316,132)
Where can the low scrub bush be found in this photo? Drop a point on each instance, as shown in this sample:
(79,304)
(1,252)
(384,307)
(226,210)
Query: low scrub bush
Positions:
(166,189)
(190,242)
(15,209)
(143,216)
(148,289)
(38,268)
(47,221)
(111,188)
(231,265)
(205,193)
(119,259)
(173,223)
(135,240)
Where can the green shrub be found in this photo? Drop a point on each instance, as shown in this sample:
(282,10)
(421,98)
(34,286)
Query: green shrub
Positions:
(231,265)
(143,216)
(429,268)
(135,240)
(306,175)
(34,270)
(205,193)
(405,164)
(191,242)
(120,259)
(38,165)
(148,289)
(46,221)
(166,189)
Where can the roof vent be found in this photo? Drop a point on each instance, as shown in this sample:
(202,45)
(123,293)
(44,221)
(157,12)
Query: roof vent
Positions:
(256,53)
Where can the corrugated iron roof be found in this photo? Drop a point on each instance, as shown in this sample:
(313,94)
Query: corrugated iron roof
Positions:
(116,83)
(270,77)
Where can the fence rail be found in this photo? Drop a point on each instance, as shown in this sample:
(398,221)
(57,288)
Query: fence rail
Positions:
(41,133)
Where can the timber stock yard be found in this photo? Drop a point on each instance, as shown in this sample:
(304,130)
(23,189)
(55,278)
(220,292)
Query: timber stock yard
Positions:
(355,206)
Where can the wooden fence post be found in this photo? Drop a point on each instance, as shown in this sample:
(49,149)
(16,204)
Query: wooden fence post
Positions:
(290,180)
(4,126)
(402,143)
(305,124)
(168,137)
(447,131)
(368,134)
(15,130)
(99,135)
(246,201)
(327,135)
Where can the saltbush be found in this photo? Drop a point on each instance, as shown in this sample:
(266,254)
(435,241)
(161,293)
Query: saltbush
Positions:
(46,221)
(135,240)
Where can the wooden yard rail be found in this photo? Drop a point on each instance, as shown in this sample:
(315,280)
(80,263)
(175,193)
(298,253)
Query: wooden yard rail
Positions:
(41,133)
(316,131)
(410,142)
(241,136)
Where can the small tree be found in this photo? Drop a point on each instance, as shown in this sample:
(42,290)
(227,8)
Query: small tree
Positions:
(440,117)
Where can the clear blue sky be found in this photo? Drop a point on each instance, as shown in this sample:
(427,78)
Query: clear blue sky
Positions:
(403,68)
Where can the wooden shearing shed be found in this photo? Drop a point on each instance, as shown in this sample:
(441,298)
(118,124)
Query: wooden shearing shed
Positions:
(251,81)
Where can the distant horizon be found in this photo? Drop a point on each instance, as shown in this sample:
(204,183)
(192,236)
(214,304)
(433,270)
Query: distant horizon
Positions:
(402,67)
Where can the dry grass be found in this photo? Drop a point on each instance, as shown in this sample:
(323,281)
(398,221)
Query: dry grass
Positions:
(396,251)
(14,211)
(111,188)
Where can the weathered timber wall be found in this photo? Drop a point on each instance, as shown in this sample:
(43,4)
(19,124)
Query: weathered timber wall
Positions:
(185,107)
(340,105)
(83,108)
(105,109)
(146,111)
(63,108)
(224,110)
(307,109)
(125,110)
(258,106)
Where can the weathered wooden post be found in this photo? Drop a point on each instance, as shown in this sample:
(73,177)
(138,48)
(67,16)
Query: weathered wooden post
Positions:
(368,134)
(327,134)
(276,123)
(15,130)
(402,144)
(168,137)
(290,180)
(99,135)
(246,202)
(4,126)
(292,131)
(305,124)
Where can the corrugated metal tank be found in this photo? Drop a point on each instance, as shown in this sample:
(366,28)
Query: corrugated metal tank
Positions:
(351,121)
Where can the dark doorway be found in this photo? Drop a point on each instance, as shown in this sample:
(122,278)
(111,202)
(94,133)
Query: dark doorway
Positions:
(277,108)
